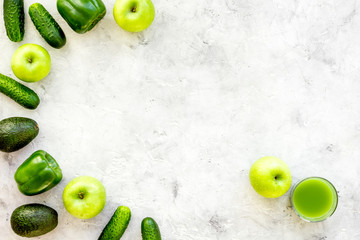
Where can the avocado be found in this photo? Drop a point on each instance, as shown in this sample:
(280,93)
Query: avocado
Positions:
(16,133)
(33,220)
(150,229)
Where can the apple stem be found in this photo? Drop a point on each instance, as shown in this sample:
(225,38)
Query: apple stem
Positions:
(133,9)
(81,195)
(29,60)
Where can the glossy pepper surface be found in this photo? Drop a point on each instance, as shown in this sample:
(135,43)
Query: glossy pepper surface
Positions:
(39,173)
(81,15)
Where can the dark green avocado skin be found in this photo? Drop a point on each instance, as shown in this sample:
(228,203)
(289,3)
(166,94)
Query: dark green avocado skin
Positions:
(16,133)
(32,220)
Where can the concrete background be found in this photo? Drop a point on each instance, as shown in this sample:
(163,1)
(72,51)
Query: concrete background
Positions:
(171,119)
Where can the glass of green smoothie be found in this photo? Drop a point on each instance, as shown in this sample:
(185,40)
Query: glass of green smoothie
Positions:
(314,199)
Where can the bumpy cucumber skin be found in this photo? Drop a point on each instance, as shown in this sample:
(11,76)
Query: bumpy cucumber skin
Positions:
(48,28)
(18,92)
(14,18)
(150,229)
(16,133)
(117,224)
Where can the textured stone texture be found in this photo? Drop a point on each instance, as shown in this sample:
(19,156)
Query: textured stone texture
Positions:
(171,119)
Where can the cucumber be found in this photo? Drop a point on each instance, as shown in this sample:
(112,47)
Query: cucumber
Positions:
(150,229)
(32,220)
(14,18)
(48,28)
(18,92)
(16,133)
(117,224)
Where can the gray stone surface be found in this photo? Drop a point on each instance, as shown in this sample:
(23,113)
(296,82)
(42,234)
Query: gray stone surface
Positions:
(171,119)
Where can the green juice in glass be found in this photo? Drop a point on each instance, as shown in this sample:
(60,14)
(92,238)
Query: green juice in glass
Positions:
(314,199)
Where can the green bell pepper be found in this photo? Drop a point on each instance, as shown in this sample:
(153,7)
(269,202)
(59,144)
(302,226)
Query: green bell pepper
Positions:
(39,173)
(81,15)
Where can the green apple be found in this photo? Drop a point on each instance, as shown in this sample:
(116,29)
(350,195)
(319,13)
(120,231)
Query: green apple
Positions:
(270,177)
(84,197)
(134,15)
(31,62)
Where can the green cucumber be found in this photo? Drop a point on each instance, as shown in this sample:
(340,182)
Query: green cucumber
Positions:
(32,220)
(14,19)
(16,133)
(19,92)
(117,224)
(48,28)
(150,229)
